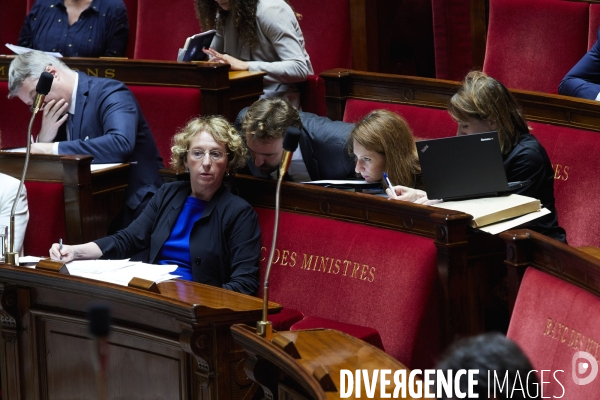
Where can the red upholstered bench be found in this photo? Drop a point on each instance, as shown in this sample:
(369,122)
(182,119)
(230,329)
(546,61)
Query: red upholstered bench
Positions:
(574,153)
(373,283)
(46,202)
(525,37)
(167,109)
(557,309)
(14,120)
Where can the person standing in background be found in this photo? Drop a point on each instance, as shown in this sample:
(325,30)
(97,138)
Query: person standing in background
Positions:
(258,35)
(77,28)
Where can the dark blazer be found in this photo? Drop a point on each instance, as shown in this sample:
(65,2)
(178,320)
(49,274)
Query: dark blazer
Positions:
(108,124)
(323,145)
(224,242)
(583,80)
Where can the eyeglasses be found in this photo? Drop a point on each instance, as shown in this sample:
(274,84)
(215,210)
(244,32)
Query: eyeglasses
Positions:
(199,154)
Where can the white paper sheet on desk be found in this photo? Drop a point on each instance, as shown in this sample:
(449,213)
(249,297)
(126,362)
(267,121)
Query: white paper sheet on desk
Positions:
(498,227)
(120,272)
(22,50)
(98,167)
(16,150)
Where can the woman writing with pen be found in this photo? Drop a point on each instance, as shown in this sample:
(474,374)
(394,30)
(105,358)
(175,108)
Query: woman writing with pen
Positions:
(382,142)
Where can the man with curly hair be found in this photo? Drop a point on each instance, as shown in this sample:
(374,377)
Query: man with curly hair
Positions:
(258,35)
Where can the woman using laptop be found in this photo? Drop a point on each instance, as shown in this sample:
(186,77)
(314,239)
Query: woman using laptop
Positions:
(383,142)
(483,104)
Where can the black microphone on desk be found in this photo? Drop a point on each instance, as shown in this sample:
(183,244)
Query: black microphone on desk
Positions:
(99,318)
(290,143)
(42,89)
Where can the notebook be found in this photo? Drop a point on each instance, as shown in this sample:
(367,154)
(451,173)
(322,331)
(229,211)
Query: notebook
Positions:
(463,167)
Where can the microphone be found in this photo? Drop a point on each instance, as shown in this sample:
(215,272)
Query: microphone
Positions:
(42,88)
(290,143)
(99,318)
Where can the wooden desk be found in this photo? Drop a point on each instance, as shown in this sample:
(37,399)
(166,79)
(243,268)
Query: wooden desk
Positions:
(344,84)
(319,351)
(224,92)
(92,200)
(173,345)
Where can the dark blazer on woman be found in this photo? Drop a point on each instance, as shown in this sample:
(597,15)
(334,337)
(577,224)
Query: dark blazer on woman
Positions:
(224,242)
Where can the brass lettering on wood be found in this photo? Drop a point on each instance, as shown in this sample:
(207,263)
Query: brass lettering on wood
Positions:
(570,337)
(92,72)
(3,71)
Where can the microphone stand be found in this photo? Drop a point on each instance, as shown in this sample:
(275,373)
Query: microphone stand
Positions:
(264,327)
(12,257)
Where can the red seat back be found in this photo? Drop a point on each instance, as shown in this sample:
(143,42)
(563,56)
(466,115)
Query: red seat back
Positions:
(132,9)
(162,27)
(47,221)
(167,110)
(573,153)
(532,44)
(452,38)
(15,120)
(326,29)
(425,122)
(356,274)
(552,321)
(13,15)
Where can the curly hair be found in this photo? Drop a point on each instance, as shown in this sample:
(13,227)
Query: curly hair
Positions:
(268,119)
(388,134)
(220,129)
(243,12)
(484,98)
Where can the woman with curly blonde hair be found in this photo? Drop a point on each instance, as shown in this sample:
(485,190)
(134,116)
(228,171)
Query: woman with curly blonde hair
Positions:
(258,35)
(210,234)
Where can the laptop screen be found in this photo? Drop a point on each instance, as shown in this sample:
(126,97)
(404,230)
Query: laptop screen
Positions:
(462,167)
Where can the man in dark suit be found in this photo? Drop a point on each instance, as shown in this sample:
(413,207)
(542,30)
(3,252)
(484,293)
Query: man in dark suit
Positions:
(322,151)
(583,80)
(103,119)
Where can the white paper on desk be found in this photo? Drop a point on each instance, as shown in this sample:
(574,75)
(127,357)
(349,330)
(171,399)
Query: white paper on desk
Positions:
(16,150)
(98,167)
(498,227)
(29,260)
(127,271)
(23,50)
(338,182)
(96,267)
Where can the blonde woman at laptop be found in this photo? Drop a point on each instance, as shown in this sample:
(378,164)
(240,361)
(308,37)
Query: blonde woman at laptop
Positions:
(483,104)
(383,142)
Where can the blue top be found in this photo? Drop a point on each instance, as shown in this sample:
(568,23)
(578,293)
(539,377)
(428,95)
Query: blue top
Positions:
(176,249)
(101,30)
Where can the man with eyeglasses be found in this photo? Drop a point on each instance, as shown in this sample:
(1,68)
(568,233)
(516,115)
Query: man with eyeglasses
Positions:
(322,151)
(102,119)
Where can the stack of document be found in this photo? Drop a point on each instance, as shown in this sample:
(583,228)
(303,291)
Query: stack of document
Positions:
(119,272)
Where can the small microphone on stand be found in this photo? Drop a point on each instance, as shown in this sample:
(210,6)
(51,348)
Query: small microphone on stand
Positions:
(290,143)
(42,89)
(99,317)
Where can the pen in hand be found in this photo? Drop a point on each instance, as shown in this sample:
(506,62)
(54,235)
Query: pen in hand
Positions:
(60,247)
(387,180)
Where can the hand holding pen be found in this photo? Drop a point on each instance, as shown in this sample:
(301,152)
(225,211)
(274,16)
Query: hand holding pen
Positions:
(390,192)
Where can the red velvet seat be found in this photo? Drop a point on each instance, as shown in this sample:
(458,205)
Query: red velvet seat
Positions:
(359,279)
(551,321)
(167,110)
(452,38)
(425,122)
(13,15)
(46,217)
(326,29)
(532,44)
(162,27)
(13,129)
(574,153)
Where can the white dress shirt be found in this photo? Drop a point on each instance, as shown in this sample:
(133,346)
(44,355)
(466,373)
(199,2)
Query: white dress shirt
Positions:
(8,193)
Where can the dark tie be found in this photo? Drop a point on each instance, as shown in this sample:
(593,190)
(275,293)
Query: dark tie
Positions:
(70,127)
